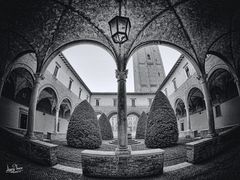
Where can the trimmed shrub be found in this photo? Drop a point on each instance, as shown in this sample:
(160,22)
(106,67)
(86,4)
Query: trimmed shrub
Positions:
(162,128)
(83,128)
(105,127)
(141,126)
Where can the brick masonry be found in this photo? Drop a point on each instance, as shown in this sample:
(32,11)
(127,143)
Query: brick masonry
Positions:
(207,148)
(35,150)
(108,164)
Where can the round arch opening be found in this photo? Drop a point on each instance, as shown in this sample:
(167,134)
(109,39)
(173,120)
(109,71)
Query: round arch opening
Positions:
(196,101)
(47,101)
(222,86)
(180,109)
(18,86)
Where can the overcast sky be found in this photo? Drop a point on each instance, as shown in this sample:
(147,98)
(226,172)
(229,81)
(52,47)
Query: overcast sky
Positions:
(96,66)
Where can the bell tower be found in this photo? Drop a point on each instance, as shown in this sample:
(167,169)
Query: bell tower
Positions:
(148,69)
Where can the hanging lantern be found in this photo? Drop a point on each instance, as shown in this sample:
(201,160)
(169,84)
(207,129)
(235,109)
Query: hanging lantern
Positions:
(120,28)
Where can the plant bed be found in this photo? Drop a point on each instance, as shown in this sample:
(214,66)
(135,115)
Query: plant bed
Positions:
(130,142)
(70,156)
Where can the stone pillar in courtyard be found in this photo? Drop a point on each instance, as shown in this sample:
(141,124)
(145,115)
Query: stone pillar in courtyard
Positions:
(122,113)
(209,108)
(237,84)
(187,115)
(32,107)
(2,79)
(56,120)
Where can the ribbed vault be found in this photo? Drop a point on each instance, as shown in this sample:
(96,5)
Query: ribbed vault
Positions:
(195,26)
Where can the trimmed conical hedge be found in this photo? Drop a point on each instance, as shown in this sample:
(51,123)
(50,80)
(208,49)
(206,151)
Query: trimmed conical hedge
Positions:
(105,127)
(141,126)
(83,128)
(162,128)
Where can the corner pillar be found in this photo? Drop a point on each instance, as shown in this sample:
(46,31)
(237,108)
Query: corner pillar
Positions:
(237,84)
(2,80)
(209,108)
(188,115)
(122,113)
(56,120)
(32,107)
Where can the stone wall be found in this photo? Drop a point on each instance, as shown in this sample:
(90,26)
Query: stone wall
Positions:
(34,150)
(108,164)
(56,136)
(207,148)
(38,135)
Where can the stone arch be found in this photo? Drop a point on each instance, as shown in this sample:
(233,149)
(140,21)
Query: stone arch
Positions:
(222,86)
(51,56)
(12,66)
(65,108)
(98,114)
(171,45)
(196,101)
(132,122)
(48,85)
(190,88)
(180,108)
(25,66)
(18,86)
(222,58)
(111,114)
(68,98)
(47,101)
(222,65)
(133,113)
(112,117)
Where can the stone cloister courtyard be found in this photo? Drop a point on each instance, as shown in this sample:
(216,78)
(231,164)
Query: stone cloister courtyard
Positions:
(52,126)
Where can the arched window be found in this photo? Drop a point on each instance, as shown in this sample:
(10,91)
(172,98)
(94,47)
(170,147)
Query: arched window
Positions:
(18,86)
(132,120)
(222,86)
(47,101)
(180,108)
(65,109)
(196,101)
(113,121)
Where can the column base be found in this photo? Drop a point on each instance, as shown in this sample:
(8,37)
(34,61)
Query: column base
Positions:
(212,135)
(189,134)
(30,135)
(123,151)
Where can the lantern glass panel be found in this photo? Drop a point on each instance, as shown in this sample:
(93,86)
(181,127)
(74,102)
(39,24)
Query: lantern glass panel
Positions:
(122,25)
(113,25)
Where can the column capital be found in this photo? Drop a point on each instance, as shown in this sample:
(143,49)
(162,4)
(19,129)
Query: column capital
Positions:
(202,78)
(121,75)
(236,80)
(39,76)
(57,108)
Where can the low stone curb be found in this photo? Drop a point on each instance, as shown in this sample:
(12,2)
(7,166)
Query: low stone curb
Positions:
(68,169)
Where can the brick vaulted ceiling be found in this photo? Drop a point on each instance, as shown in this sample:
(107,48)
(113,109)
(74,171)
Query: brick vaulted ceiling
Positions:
(196,27)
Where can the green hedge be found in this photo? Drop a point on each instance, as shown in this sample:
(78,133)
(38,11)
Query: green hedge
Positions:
(162,128)
(105,127)
(141,126)
(83,128)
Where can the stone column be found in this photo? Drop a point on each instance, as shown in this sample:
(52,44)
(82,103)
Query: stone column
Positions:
(2,79)
(209,108)
(188,115)
(122,112)
(56,120)
(32,107)
(237,84)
